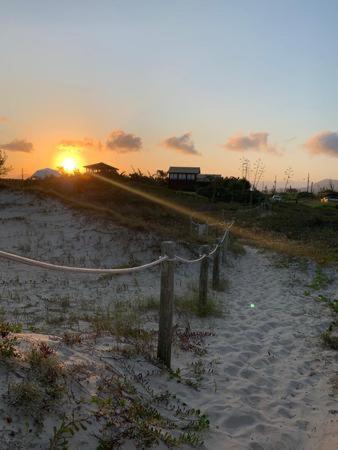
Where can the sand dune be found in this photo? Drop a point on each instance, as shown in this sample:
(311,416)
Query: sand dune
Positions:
(265,377)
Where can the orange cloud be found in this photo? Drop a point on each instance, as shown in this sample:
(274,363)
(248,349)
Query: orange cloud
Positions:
(122,142)
(325,143)
(18,145)
(78,144)
(183,144)
(253,142)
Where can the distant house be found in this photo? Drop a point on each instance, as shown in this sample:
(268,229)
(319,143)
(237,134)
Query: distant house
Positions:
(105,170)
(183,177)
(207,178)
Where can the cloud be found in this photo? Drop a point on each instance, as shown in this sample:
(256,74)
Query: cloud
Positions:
(18,145)
(252,142)
(183,144)
(3,119)
(79,144)
(122,142)
(325,143)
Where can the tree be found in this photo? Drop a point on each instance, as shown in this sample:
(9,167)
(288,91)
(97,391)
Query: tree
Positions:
(3,168)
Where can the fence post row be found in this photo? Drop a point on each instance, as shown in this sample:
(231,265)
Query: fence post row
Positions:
(166,304)
(203,282)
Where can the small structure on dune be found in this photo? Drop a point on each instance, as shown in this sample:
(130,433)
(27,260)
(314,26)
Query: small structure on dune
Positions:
(105,170)
(183,177)
(45,173)
(207,178)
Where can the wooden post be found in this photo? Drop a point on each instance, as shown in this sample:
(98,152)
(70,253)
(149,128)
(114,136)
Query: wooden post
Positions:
(166,304)
(224,249)
(203,287)
(215,269)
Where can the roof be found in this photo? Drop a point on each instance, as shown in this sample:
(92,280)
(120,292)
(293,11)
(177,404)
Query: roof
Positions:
(45,173)
(194,170)
(100,166)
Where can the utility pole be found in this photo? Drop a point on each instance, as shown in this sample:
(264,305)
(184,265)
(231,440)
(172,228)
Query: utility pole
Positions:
(22,174)
(308,183)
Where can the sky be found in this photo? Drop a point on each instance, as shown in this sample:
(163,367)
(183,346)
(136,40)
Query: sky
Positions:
(153,83)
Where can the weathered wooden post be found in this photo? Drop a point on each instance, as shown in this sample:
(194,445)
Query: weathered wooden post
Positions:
(166,304)
(215,269)
(203,287)
(224,248)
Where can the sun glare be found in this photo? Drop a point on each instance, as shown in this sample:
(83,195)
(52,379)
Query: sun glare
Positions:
(69,165)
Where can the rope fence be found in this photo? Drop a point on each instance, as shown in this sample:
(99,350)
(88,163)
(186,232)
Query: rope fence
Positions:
(167,262)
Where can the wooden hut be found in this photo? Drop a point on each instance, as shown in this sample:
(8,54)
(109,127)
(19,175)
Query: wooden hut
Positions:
(105,170)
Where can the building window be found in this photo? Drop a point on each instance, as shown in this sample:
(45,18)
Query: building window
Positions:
(190,176)
(181,176)
(173,176)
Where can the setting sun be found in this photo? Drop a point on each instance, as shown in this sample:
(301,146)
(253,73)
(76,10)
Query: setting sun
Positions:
(69,165)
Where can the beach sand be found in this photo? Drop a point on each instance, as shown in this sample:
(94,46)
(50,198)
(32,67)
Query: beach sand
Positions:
(264,378)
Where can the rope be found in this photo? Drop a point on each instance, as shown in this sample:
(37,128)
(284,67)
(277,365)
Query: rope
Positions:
(45,265)
(190,261)
(214,250)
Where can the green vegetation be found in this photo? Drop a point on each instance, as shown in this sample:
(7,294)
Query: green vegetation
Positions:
(328,339)
(189,304)
(7,340)
(302,228)
(295,229)
(65,431)
(320,280)
(148,418)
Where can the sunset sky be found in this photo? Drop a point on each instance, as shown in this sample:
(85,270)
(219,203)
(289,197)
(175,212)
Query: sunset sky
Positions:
(153,83)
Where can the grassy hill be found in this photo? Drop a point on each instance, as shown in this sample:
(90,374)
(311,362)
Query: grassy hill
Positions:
(306,228)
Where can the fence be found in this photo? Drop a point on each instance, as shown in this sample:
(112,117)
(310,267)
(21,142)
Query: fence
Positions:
(167,260)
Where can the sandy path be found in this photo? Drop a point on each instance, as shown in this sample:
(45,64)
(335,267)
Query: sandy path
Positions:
(271,388)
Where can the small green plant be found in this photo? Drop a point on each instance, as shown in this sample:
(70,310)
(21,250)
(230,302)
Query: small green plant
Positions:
(7,340)
(65,431)
(7,346)
(6,328)
(189,304)
(333,304)
(47,367)
(72,338)
(25,394)
(144,417)
(192,341)
(320,280)
(328,338)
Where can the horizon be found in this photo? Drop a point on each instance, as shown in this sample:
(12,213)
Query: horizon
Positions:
(186,84)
